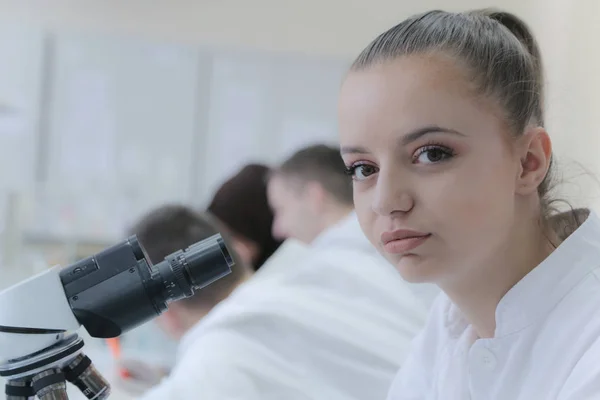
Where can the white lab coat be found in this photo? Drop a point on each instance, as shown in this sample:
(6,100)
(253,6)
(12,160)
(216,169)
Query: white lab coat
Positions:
(546,344)
(336,327)
(282,262)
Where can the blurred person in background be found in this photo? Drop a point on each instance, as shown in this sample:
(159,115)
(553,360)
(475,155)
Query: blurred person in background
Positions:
(363,315)
(311,197)
(242,203)
(242,207)
(309,193)
(162,232)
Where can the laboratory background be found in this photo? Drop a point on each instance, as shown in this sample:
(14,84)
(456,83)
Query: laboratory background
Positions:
(111,108)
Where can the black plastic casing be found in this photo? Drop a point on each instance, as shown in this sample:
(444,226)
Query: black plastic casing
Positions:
(119,289)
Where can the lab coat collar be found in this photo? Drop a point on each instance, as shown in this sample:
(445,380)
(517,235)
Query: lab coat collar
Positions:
(540,291)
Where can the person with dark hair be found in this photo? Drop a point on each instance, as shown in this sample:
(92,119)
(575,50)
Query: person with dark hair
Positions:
(441,122)
(241,205)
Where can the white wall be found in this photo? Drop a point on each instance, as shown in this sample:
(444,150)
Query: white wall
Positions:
(128,123)
(568,32)
(330,27)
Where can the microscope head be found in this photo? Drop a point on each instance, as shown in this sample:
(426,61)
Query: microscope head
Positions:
(108,294)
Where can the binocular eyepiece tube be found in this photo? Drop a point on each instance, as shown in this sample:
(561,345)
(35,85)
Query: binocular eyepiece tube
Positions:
(119,288)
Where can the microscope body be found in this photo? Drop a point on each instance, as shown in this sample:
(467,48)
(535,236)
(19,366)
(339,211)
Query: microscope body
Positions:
(33,315)
(108,294)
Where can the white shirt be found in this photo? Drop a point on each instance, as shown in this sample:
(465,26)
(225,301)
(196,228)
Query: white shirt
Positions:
(336,327)
(547,340)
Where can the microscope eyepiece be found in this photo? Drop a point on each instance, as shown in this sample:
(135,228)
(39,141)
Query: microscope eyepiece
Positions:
(187,271)
(119,288)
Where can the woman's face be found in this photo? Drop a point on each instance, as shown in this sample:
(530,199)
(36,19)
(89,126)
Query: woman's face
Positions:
(434,168)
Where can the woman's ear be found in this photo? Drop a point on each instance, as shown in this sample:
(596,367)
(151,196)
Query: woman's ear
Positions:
(536,153)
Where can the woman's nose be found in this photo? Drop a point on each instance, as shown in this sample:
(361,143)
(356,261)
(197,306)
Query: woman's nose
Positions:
(391,195)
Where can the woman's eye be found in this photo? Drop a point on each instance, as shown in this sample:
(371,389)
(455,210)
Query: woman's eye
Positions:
(361,171)
(432,154)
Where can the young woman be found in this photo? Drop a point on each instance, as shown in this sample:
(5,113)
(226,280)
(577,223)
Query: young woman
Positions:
(442,129)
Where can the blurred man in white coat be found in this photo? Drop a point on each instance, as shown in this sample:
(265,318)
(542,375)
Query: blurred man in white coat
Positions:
(359,303)
(311,198)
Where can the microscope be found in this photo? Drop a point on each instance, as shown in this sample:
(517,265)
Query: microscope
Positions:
(108,294)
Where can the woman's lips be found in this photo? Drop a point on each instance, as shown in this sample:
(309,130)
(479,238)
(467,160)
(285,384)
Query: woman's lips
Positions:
(402,241)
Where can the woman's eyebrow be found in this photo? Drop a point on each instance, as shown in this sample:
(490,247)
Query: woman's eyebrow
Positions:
(405,139)
(426,130)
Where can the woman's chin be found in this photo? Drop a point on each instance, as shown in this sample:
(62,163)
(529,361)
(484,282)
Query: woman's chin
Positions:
(417,269)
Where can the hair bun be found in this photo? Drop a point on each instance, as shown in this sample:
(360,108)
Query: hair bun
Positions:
(517,27)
